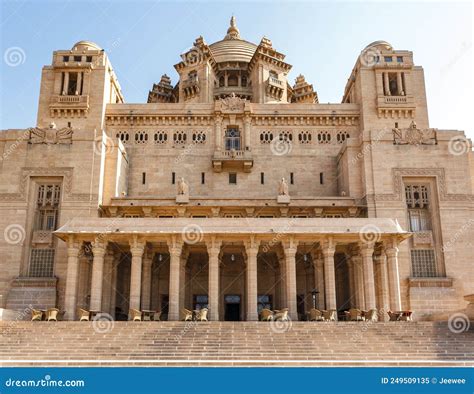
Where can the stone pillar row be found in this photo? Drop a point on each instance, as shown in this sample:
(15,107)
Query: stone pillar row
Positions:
(361,268)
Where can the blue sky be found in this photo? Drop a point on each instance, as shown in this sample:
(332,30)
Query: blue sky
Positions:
(321,40)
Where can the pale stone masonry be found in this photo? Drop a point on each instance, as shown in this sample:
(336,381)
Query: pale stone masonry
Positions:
(235,190)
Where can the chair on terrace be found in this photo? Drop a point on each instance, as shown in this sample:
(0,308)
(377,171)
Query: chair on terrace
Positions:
(202,314)
(266,315)
(330,315)
(52,314)
(371,315)
(354,314)
(83,315)
(135,315)
(315,315)
(186,314)
(157,316)
(36,315)
(281,314)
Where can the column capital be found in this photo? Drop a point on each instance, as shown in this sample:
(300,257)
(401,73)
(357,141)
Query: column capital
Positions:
(391,251)
(98,248)
(213,244)
(137,248)
(251,245)
(366,249)
(328,247)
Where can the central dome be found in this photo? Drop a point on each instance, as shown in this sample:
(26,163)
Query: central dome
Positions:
(232,48)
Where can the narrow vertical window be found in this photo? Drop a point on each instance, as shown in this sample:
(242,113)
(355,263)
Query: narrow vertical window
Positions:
(262,178)
(173,178)
(321,178)
(203,178)
(232,178)
(143,178)
(62,83)
(292,178)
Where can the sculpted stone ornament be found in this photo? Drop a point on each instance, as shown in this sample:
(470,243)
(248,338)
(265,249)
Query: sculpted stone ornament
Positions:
(233,103)
(51,135)
(283,192)
(183,192)
(414,136)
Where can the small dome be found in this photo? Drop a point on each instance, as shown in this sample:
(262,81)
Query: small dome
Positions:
(86,46)
(380,43)
(232,47)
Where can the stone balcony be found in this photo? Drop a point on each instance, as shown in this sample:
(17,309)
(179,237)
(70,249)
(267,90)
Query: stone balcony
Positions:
(232,159)
(275,87)
(240,91)
(69,103)
(190,87)
(402,105)
(42,237)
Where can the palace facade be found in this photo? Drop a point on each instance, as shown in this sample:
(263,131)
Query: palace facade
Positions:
(235,189)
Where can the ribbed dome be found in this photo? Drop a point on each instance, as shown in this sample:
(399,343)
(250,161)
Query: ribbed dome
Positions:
(232,47)
(85,45)
(232,50)
(381,43)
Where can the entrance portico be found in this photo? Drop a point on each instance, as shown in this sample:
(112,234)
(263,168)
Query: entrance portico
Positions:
(253,262)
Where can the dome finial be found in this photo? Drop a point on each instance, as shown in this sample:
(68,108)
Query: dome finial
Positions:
(232,32)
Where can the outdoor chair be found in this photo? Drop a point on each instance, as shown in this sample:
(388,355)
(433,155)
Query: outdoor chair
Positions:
(330,315)
(281,315)
(36,315)
(371,315)
(315,315)
(202,315)
(186,314)
(406,316)
(135,315)
(266,315)
(83,314)
(52,314)
(157,316)
(354,314)
(393,316)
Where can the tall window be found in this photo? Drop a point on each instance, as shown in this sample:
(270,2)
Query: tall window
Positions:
(418,205)
(47,204)
(232,138)
(423,263)
(41,263)
(72,87)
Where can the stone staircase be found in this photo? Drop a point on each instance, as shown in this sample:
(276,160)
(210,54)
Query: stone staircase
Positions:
(233,343)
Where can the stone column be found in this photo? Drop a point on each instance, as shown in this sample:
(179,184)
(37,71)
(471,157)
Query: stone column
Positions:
(107,284)
(283,296)
(328,250)
(213,250)
(318,263)
(247,124)
(72,279)
(66,83)
(136,248)
(78,86)
(393,277)
(356,261)
(367,251)
(350,272)
(183,285)
(387,87)
(113,287)
(146,280)
(175,249)
(98,250)
(399,84)
(251,271)
(290,275)
(218,131)
(380,263)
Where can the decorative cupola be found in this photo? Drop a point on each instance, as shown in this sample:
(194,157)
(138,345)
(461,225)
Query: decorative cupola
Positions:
(162,92)
(303,92)
(233,32)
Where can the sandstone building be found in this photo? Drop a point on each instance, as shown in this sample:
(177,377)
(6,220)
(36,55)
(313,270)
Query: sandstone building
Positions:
(236,189)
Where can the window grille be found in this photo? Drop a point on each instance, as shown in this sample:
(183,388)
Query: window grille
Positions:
(41,263)
(423,263)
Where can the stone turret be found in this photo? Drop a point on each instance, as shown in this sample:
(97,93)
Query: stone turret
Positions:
(303,92)
(162,91)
